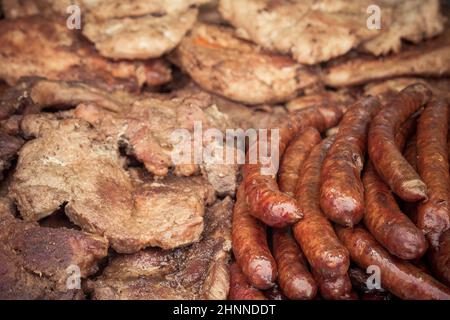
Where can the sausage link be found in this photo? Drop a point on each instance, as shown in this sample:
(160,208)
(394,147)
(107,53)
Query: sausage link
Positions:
(240,289)
(398,276)
(293,275)
(384,219)
(293,158)
(386,158)
(342,192)
(432,164)
(440,258)
(250,246)
(315,234)
(266,201)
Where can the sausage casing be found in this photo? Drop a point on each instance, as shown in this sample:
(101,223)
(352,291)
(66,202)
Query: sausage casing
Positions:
(440,258)
(293,158)
(294,278)
(383,217)
(342,192)
(432,164)
(315,234)
(240,289)
(387,159)
(265,200)
(398,276)
(250,246)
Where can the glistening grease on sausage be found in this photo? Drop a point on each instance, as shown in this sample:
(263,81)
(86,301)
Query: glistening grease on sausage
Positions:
(240,289)
(342,192)
(432,164)
(398,276)
(384,219)
(294,278)
(315,234)
(250,246)
(386,158)
(293,158)
(265,200)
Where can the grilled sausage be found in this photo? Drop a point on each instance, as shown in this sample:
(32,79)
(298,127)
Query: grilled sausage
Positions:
(384,219)
(250,246)
(440,258)
(432,164)
(240,289)
(399,277)
(315,234)
(293,158)
(293,275)
(342,192)
(386,158)
(265,200)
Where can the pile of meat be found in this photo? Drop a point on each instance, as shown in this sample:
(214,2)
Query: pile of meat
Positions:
(335,214)
(93,204)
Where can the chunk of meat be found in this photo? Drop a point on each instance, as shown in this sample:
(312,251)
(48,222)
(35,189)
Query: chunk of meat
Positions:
(142,37)
(41,263)
(33,94)
(36,46)
(150,129)
(73,164)
(315,31)
(415,20)
(199,271)
(431,58)
(233,68)
(311,31)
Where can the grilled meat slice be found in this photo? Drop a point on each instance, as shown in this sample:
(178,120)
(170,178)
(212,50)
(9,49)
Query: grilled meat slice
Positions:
(236,69)
(42,263)
(71,163)
(199,271)
(140,37)
(36,46)
(431,58)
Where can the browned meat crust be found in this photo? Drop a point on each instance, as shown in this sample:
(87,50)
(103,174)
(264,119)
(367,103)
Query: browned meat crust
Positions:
(142,37)
(145,127)
(34,46)
(431,58)
(236,69)
(315,31)
(34,261)
(71,163)
(196,272)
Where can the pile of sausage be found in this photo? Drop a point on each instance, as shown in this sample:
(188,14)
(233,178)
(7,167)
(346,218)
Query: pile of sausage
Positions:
(373,195)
